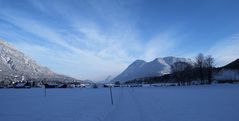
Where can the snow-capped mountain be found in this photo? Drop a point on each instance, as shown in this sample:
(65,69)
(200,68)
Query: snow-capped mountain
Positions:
(15,64)
(141,68)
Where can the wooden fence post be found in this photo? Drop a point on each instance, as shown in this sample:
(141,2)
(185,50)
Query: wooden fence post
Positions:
(111,96)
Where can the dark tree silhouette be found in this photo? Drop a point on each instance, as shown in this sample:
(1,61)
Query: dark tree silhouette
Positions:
(117,83)
(209,65)
(199,65)
(182,72)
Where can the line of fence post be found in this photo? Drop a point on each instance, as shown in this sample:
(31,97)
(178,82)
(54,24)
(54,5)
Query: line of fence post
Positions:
(111,96)
(45,91)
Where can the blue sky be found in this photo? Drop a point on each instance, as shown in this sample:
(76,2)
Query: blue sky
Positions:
(91,39)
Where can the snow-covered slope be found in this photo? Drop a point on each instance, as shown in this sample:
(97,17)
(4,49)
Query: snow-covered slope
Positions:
(107,79)
(140,68)
(14,63)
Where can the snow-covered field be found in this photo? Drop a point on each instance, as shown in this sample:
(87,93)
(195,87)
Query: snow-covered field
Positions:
(194,103)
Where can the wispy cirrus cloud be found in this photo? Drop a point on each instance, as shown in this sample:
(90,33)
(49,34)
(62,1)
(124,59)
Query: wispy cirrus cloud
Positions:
(84,46)
(63,57)
(163,44)
(92,39)
(226,50)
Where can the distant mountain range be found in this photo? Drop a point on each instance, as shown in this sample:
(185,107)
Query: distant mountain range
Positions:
(141,68)
(16,65)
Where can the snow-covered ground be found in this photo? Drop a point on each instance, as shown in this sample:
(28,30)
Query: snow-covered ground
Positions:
(194,103)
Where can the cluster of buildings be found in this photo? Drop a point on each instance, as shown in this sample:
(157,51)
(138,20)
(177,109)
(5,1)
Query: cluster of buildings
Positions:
(42,84)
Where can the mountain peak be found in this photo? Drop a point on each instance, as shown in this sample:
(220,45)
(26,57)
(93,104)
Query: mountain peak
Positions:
(158,60)
(140,68)
(138,61)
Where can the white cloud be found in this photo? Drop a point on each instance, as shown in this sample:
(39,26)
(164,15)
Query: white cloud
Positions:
(161,45)
(87,64)
(84,49)
(226,50)
(104,53)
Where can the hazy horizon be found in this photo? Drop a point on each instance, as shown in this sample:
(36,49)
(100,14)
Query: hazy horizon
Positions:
(92,39)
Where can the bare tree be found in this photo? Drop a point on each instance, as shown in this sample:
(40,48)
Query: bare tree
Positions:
(199,64)
(204,68)
(182,72)
(209,64)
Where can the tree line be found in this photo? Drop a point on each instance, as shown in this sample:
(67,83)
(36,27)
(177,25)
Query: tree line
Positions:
(200,71)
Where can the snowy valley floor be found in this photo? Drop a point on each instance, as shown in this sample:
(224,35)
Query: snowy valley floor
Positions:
(194,103)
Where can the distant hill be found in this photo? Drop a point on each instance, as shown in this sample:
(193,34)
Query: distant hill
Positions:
(141,68)
(232,65)
(229,72)
(16,65)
